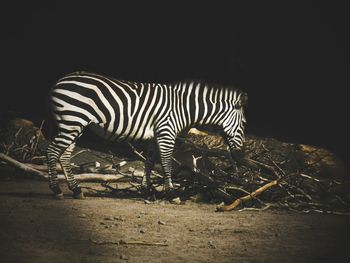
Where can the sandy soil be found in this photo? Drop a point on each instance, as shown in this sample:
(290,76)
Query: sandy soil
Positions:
(36,228)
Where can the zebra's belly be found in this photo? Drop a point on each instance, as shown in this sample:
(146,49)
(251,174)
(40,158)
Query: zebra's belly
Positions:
(136,134)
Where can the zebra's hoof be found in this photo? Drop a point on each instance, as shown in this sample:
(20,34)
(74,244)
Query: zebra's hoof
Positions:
(58,196)
(170,194)
(79,196)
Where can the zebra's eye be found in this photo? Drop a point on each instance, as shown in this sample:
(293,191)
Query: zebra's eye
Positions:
(244,99)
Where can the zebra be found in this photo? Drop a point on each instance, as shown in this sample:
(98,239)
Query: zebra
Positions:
(119,110)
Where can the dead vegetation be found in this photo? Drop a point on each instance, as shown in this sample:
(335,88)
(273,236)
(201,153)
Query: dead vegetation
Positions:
(270,174)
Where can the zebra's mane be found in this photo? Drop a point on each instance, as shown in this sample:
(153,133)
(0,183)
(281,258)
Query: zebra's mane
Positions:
(214,86)
(211,85)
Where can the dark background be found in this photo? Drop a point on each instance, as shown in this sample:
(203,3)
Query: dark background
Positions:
(292,59)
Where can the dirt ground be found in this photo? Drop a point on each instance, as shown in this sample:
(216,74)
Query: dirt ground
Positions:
(36,228)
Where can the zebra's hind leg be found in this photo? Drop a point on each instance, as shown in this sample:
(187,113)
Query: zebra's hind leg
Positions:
(53,153)
(67,170)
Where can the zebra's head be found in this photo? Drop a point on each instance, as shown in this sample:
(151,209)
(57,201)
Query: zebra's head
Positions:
(235,121)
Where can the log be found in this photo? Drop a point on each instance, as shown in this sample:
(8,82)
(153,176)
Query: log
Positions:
(85,177)
(23,167)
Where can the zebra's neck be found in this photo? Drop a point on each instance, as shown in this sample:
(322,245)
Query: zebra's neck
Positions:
(196,103)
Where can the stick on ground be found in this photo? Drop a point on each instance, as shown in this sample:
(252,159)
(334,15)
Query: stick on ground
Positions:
(238,201)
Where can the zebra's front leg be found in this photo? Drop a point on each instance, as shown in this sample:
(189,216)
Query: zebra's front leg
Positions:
(67,170)
(146,184)
(237,153)
(166,144)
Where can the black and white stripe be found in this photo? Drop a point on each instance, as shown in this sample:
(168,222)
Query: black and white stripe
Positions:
(125,110)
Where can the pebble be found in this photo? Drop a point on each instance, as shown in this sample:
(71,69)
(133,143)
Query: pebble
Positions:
(122,256)
(176,201)
(160,222)
(211,244)
(119,218)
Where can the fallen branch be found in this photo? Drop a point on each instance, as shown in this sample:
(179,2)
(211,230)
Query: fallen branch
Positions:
(238,201)
(85,177)
(94,177)
(38,174)
(41,167)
